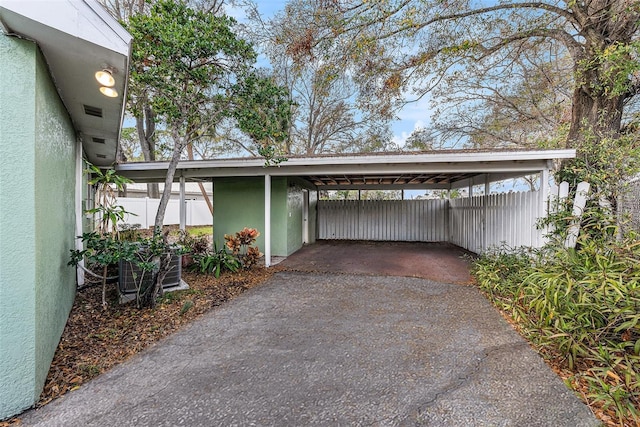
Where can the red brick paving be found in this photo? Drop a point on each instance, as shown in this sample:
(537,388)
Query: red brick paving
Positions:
(439,262)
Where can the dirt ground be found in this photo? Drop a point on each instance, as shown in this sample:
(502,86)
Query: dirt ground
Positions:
(439,262)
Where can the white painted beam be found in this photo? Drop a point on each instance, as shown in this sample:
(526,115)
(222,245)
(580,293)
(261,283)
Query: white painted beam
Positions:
(267,220)
(183,204)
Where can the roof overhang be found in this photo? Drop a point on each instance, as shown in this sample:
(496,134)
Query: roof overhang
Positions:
(432,170)
(78,38)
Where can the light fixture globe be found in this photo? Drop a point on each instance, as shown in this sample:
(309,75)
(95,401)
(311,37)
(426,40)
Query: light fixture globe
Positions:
(105,78)
(110,92)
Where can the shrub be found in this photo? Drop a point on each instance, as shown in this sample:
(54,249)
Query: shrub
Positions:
(215,262)
(581,304)
(240,246)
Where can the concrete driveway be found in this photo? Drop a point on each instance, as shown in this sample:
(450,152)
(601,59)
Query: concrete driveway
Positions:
(336,350)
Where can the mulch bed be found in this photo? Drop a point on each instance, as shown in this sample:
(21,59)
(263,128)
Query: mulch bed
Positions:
(94,340)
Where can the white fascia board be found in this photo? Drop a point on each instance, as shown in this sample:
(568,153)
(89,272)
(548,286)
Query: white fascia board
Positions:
(83,19)
(327,164)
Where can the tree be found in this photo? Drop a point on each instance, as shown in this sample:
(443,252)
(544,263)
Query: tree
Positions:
(325,115)
(139,103)
(190,61)
(500,103)
(263,112)
(401,46)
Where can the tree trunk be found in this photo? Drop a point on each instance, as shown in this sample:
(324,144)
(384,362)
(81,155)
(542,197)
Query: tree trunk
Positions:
(599,115)
(146,127)
(202,189)
(166,193)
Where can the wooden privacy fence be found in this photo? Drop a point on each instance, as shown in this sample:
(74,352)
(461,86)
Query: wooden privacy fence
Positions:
(482,222)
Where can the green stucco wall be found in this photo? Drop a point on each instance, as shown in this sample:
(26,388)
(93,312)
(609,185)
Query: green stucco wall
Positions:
(37,147)
(295,203)
(239,202)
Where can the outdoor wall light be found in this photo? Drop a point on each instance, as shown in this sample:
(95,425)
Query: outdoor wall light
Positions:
(105,78)
(110,92)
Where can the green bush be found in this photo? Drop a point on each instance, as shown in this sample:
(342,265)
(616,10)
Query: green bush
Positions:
(215,262)
(583,304)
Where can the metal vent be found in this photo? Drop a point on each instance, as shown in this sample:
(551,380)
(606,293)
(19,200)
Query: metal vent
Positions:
(98,140)
(92,111)
(101,156)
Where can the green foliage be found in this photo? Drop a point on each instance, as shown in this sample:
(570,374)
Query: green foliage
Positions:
(616,63)
(241,245)
(193,243)
(583,304)
(603,162)
(185,59)
(106,213)
(186,306)
(99,250)
(215,262)
(263,112)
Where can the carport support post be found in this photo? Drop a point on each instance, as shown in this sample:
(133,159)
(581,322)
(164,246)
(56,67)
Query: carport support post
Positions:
(183,205)
(267,220)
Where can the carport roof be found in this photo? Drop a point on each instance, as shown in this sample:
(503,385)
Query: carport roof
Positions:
(420,170)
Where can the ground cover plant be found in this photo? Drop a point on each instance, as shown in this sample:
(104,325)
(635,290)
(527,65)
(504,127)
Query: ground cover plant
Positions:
(581,309)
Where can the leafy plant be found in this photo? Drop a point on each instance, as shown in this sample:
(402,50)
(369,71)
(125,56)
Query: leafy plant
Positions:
(105,212)
(193,244)
(581,304)
(215,262)
(240,246)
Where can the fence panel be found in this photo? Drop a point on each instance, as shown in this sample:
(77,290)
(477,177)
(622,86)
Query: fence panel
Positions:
(144,210)
(479,223)
(383,220)
(629,206)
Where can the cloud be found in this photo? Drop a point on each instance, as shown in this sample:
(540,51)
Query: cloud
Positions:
(401,138)
(413,116)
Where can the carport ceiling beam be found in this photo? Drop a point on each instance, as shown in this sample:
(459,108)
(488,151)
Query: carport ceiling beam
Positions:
(386,187)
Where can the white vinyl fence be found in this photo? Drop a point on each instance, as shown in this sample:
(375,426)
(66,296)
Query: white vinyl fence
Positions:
(479,223)
(476,223)
(144,210)
(383,220)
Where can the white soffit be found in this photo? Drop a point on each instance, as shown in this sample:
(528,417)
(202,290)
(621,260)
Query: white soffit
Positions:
(78,38)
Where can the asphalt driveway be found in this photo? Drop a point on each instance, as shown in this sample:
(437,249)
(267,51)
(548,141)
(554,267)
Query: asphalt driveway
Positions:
(332,349)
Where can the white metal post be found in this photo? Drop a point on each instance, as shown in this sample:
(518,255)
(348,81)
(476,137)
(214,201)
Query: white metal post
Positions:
(267,220)
(183,204)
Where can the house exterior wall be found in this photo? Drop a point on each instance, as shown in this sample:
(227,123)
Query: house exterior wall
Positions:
(239,202)
(37,217)
(295,206)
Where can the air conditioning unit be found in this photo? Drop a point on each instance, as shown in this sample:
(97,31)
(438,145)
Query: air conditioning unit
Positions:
(131,276)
